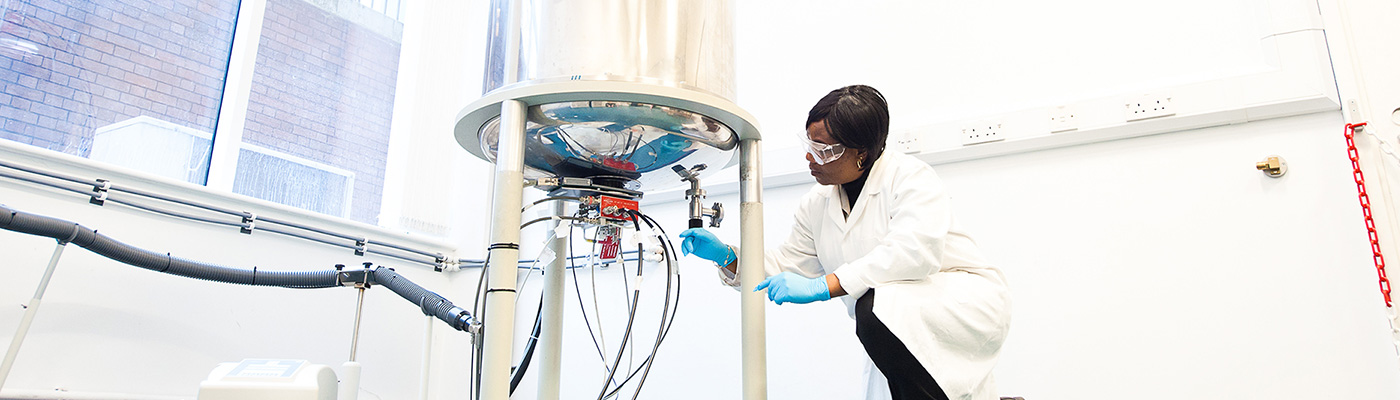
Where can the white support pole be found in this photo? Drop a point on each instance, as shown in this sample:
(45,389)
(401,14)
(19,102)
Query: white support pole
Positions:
(427,367)
(551,339)
(29,312)
(504,252)
(755,359)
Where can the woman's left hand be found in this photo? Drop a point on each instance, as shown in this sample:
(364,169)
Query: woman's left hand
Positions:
(788,287)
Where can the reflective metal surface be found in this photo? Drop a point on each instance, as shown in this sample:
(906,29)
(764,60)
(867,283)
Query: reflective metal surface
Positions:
(679,43)
(635,141)
(685,46)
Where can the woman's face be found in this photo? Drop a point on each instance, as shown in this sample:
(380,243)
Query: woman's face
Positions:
(841,170)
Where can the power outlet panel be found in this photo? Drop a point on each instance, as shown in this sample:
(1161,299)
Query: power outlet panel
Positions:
(1150,106)
(1063,119)
(983,132)
(909,143)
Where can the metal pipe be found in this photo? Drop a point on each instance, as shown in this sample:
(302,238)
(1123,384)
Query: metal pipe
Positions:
(29,312)
(359,308)
(755,381)
(350,386)
(506,200)
(551,339)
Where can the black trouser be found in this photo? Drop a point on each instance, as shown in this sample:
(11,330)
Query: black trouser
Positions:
(908,379)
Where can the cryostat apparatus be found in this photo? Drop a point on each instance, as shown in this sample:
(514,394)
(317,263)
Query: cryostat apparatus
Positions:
(601,102)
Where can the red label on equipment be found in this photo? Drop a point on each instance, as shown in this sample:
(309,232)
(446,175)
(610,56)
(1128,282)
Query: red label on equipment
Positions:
(612,207)
(610,237)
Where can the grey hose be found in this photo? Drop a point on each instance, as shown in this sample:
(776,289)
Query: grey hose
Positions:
(65,231)
(431,303)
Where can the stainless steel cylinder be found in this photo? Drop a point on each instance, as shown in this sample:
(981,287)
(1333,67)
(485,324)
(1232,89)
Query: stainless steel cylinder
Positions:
(687,44)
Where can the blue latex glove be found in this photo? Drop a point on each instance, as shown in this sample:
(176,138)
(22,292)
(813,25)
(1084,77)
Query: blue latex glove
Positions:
(705,245)
(793,288)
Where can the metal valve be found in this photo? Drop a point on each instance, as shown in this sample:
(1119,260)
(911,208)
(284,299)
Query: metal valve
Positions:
(1274,166)
(696,195)
(716,214)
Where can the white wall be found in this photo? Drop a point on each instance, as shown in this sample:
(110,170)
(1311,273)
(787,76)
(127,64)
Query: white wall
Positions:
(1163,267)
(111,328)
(1156,267)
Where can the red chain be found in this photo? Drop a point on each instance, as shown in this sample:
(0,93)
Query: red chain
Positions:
(1366,209)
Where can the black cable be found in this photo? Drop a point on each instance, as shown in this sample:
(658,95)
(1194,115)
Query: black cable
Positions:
(665,326)
(519,373)
(478,339)
(584,310)
(631,317)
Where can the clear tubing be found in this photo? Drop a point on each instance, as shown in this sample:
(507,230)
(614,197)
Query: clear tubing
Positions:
(29,312)
(755,381)
(504,251)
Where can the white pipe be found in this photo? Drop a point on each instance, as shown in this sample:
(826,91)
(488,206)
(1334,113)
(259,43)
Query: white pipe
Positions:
(509,186)
(751,303)
(427,357)
(350,383)
(551,339)
(29,312)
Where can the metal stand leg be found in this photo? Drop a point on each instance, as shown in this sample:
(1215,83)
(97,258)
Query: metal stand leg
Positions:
(504,253)
(29,312)
(751,270)
(552,326)
(350,383)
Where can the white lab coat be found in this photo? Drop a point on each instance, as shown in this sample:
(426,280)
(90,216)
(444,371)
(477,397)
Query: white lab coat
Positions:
(936,292)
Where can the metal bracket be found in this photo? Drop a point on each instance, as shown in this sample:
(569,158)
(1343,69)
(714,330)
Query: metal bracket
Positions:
(249,220)
(360,246)
(357,278)
(101,190)
(439,262)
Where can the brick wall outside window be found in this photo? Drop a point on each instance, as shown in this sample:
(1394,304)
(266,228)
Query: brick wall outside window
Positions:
(323,86)
(97,62)
(323,90)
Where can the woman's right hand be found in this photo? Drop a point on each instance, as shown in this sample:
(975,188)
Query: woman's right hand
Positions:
(704,244)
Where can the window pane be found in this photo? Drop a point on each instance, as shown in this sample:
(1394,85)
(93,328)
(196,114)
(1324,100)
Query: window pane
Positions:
(322,96)
(134,83)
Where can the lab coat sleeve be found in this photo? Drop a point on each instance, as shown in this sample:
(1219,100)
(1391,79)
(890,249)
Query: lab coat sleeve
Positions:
(797,254)
(919,218)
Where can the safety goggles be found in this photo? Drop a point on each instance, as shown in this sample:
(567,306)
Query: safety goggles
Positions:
(822,153)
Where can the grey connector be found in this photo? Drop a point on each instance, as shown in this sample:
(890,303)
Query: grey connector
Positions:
(696,196)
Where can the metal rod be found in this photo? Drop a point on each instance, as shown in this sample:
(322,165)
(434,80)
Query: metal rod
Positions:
(506,200)
(551,339)
(755,381)
(359,308)
(29,312)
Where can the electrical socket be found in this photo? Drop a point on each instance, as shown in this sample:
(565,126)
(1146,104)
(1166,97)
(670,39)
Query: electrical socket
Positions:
(909,144)
(982,132)
(1153,105)
(1062,119)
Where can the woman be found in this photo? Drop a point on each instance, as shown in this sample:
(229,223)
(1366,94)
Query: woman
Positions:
(881,222)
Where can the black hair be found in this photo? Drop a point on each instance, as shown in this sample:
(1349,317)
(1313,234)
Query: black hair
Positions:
(857,117)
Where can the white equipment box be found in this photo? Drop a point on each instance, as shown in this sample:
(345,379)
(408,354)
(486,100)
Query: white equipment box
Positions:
(265,379)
